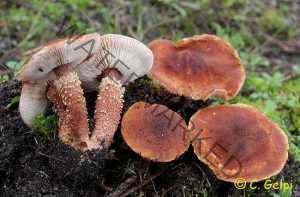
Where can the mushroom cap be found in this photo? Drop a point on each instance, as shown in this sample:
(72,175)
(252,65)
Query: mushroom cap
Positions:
(129,56)
(238,142)
(199,67)
(58,52)
(155,132)
(39,69)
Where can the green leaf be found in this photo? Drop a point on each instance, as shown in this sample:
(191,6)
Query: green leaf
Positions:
(15,100)
(3,78)
(13,65)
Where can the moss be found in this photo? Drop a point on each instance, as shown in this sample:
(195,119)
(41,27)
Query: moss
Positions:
(151,84)
(272,20)
(45,125)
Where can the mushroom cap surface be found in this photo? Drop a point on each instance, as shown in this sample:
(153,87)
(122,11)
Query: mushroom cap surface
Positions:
(58,52)
(129,56)
(39,69)
(238,142)
(198,67)
(155,132)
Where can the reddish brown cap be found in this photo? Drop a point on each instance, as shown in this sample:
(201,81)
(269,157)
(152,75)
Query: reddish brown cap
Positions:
(238,142)
(155,132)
(198,67)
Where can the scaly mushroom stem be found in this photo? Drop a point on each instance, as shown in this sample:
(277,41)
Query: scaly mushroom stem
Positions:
(64,133)
(107,114)
(70,105)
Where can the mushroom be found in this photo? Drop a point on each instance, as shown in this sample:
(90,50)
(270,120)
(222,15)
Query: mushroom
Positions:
(198,67)
(125,56)
(118,59)
(238,142)
(38,70)
(155,132)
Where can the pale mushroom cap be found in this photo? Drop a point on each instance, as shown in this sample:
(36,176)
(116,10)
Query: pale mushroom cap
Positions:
(58,52)
(38,69)
(129,56)
(238,142)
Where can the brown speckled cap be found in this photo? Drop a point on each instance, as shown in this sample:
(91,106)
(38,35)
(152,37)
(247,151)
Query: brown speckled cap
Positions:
(239,142)
(155,132)
(199,67)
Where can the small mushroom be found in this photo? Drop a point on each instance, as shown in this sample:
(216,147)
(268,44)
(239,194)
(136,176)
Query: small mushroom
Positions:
(120,59)
(39,69)
(238,142)
(155,132)
(198,67)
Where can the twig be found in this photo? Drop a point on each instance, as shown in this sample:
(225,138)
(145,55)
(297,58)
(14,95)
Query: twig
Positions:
(132,190)
(290,76)
(203,173)
(164,22)
(104,187)
(50,157)
(165,192)
(62,24)
(123,186)
(288,47)
(4,70)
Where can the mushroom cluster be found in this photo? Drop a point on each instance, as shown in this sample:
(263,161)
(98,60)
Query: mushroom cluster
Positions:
(236,141)
(61,70)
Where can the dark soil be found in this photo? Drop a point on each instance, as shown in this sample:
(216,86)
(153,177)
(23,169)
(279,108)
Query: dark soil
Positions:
(36,165)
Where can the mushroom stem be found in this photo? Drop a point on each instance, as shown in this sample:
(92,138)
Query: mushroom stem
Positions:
(32,102)
(70,105)
(109,105)
(65,133)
